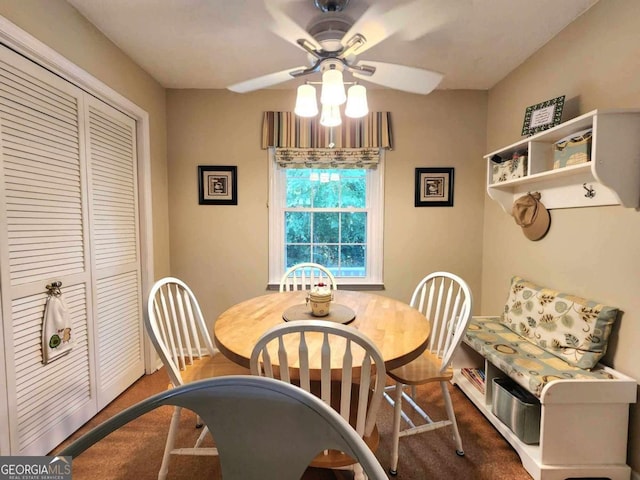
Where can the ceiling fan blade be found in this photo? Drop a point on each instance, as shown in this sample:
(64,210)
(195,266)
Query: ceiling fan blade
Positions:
(410,20)
(402,77)
(285,27)
(373,26)
(264,81)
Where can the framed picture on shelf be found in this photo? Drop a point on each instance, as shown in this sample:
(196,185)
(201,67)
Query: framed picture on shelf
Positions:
(217,185)
(542,116)
(434,187)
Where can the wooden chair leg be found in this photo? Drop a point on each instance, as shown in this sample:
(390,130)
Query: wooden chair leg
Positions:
(201,437)
(171,440)
(358,472)
(397,413)
(452,417)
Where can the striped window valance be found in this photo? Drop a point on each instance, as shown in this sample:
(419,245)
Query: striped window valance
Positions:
(287,130)
(327,157)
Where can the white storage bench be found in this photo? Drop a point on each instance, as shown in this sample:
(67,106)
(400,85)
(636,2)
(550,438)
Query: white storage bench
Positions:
(550,343)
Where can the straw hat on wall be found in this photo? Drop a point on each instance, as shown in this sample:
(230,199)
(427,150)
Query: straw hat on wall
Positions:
(530,214)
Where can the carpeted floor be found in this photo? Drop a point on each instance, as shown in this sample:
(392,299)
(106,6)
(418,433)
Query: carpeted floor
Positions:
(135,451)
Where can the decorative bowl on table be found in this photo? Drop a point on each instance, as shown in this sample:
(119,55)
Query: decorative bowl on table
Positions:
(319,299)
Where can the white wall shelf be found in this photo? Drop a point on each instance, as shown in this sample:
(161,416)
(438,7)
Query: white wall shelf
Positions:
(613,172)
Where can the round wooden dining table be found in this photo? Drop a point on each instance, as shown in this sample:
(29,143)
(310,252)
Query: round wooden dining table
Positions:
(398,330)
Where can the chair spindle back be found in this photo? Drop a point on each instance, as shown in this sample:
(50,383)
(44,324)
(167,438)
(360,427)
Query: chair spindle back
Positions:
(176,326)
(445,299)
(304,276)
(345,356)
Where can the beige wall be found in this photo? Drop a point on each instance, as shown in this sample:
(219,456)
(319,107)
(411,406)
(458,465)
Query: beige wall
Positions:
(591,252)
(222,251)
(61,27)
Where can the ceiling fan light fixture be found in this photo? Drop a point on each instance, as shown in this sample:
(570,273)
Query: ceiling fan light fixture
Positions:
(306,104)
(332,88)
(330,116)
(331,5)
(357,105)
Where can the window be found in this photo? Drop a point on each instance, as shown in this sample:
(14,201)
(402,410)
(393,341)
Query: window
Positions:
(331,216)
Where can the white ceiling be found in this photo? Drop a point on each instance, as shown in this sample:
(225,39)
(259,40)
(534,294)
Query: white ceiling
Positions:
(216,43)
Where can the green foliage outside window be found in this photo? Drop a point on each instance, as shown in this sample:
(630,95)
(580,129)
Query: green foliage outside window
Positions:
(325,220)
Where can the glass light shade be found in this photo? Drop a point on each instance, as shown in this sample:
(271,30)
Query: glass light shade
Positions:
(332,88)
(330,116)
(356,102)
(306,105)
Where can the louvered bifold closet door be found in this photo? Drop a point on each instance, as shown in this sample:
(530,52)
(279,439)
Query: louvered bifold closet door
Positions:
(113,213)
(42,238)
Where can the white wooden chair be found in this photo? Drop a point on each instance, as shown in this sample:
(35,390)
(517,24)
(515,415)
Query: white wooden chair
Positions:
(351,377)
(445,299)
(265,428)
(179,334)
(304,276)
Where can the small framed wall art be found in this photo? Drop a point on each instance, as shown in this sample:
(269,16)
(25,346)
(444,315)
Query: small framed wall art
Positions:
(218,185)
(542,116)
(434,187)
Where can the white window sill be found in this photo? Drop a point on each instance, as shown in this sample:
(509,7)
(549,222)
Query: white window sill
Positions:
(346,286)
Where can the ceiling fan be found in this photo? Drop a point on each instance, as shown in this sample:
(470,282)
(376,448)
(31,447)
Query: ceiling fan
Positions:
(333,40)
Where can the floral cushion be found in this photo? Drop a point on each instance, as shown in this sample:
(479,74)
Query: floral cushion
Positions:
(573,328)
(526,363)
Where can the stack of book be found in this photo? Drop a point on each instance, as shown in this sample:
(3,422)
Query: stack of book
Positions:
(475,376)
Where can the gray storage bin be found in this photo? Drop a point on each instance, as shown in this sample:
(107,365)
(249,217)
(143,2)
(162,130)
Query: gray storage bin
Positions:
(517,409)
